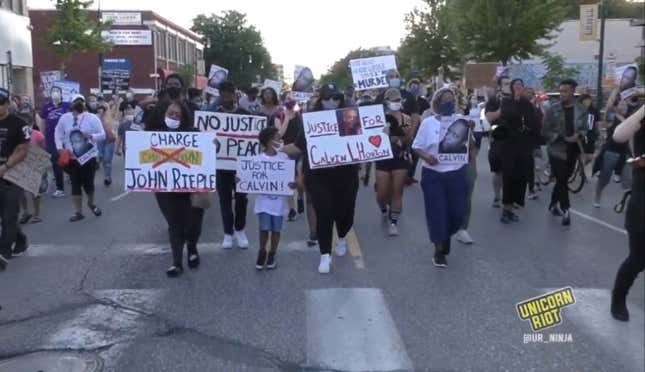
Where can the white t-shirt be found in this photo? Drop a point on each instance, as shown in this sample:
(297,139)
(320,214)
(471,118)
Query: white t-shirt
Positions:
(427,140)
(274,205)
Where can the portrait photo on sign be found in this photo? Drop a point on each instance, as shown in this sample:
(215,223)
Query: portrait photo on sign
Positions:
(80,144)
(349,123)
(217,76)
(626,76)
(303,80)
(453,143)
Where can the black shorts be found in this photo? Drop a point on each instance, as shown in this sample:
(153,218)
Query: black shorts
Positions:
(392,165)
(82,176)
(495,157)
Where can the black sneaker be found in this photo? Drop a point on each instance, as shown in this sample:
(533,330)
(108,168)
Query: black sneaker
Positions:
(107,182)
(271,262)
(439,260)
(292,215)
(21,245)
(513,216)
(3,263)
(506,218)
(566,218)
(25,219)
(555,210)
(301,206)
(76,217)
(174,271)
(497,203)
(312,241)
(619,308)
(193,261)
(262,257)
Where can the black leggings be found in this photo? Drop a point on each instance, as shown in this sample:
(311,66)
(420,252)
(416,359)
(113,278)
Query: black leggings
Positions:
(184,223)
(225,183)
(334,201)
(82,176)
(514,163)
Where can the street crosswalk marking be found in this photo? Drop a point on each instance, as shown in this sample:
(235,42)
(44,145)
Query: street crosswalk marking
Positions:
(354,248)
(599,222)
(351,329)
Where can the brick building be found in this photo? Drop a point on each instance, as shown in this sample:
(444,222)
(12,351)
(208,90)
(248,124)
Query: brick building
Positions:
(153,46)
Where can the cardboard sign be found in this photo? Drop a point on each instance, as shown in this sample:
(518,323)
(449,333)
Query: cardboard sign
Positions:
(47,79)
(237,135)
(216,76)
(369,73)
(266,175)
(115,75)
(69,88)
(275,85)
(626,76)
(346,136)
(28,174)
(170,161)
(453,140)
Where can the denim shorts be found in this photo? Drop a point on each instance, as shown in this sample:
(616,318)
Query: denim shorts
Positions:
(270,223)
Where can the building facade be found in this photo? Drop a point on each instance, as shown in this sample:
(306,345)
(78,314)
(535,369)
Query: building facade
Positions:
(16,62)
(152,46)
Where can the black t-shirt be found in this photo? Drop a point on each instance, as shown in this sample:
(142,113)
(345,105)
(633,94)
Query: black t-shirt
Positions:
(13,132)
(568,121)
(124,105)
(294,127)
(422,104)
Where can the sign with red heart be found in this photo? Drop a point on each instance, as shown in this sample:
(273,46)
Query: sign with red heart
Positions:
(375,141)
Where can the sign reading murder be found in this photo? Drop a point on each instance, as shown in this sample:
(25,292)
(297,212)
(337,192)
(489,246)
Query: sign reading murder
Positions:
(369,73)
(115,75)
(128,37)
(28,174)
(47,79)
(588,22)
(122,18)
(237,135)
(170,161)
(346,136)
(453,140)
(267,175)
(68,88)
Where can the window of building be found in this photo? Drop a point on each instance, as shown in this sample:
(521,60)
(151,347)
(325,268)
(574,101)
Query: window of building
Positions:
(161,46)
(172,47)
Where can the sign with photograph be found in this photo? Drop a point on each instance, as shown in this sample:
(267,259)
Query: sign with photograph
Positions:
(28,174)
(346,136)
(626,76)
(122,18)
(303,84)
(266,175)
(216,76)
(128,37)
(454,136)
(237,135)
(170,161)
(370,73)
(68,88)
(47,79)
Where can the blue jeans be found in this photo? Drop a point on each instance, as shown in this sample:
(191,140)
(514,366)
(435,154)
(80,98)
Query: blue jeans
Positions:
(106,153)
(445,196)
(271,223)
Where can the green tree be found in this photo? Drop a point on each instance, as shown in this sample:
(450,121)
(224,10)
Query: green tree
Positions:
(340,72)
(187,73)
(427,47)
(503,30)
(232,44)
(72,32)
(556,71)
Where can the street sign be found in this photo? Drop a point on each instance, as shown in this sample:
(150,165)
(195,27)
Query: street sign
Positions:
(588,22)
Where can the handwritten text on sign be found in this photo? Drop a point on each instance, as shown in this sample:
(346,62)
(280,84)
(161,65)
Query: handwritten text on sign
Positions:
(237,135)
(369,73)
(346,136)
(265,175)
(28,174)
(170,161)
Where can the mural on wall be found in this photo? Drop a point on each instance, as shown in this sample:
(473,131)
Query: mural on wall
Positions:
(532,73)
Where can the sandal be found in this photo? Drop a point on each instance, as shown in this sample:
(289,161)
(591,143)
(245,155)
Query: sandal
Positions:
(193,261)
(174,271)
(76,217)
(24,219)
(97,212)
(36,219)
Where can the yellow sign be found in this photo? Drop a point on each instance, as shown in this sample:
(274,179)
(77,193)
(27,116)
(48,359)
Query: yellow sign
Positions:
(544,311)
(159,156)
(588,22)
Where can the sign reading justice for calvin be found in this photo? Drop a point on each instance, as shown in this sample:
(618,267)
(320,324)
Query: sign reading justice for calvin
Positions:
(346,136)
(170,161)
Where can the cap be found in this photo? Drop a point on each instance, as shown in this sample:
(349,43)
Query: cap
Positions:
(4,96)
(329,90)
(392,95)
(77,97)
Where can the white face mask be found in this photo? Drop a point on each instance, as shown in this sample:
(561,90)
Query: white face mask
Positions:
(172,123)
(129,118)
(129,96)
(395,83)
(330,104)
(394,106)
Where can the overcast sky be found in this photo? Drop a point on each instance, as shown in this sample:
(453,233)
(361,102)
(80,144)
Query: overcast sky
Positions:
(311,33)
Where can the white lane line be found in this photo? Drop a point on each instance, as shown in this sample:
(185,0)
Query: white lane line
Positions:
(351,329)
(625,341)
(600,222)
(119,197)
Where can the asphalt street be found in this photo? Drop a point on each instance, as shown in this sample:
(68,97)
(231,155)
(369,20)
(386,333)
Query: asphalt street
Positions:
(99,287)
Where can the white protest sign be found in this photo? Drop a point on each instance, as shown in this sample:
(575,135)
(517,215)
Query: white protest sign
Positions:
(275,85)
(216,76)
(453,140)
(626,76)
(369,73)
(170,161)
(266,175)
(91,153)
(635,91)
(303,84)
(128,37)
(68,88)
(47,79)
(346,136)
(237,135)
(28,174)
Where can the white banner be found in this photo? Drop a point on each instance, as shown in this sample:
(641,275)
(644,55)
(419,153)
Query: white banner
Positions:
(128,37)
(453,140)
(273,84)
(216,76)
(346,136)
(265,175)
(170,161)
(237,135)
(28,174)
(369,73)
(122,18)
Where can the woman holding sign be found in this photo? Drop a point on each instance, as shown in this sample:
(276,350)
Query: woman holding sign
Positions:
(444,185)
(184,220)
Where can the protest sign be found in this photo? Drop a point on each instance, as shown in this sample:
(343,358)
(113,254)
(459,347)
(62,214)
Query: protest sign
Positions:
(115,75)
(28,174)
(453,140)
(267,175)
(237,135)
(68,88)
(47,79)
(369,73)
(303,84)
(631,92)
(275,85)
(170,161)
(216,76)
(626,76)
(346,136)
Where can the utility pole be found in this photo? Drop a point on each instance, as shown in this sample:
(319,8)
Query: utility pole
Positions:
(601,51)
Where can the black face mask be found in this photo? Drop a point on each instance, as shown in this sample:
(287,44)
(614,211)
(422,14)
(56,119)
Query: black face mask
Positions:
(79,107)
(174,92)
(228,105)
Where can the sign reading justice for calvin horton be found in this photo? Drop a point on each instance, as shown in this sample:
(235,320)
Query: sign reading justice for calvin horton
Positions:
(346,136)
(170,161)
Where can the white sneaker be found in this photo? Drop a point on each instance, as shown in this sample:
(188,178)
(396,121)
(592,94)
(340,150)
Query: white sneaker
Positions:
(595,204)
(325,264)
(341,247)
(617,178)
(393,230)
(242,240)
(58,194)
(227,243)
(464,237)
